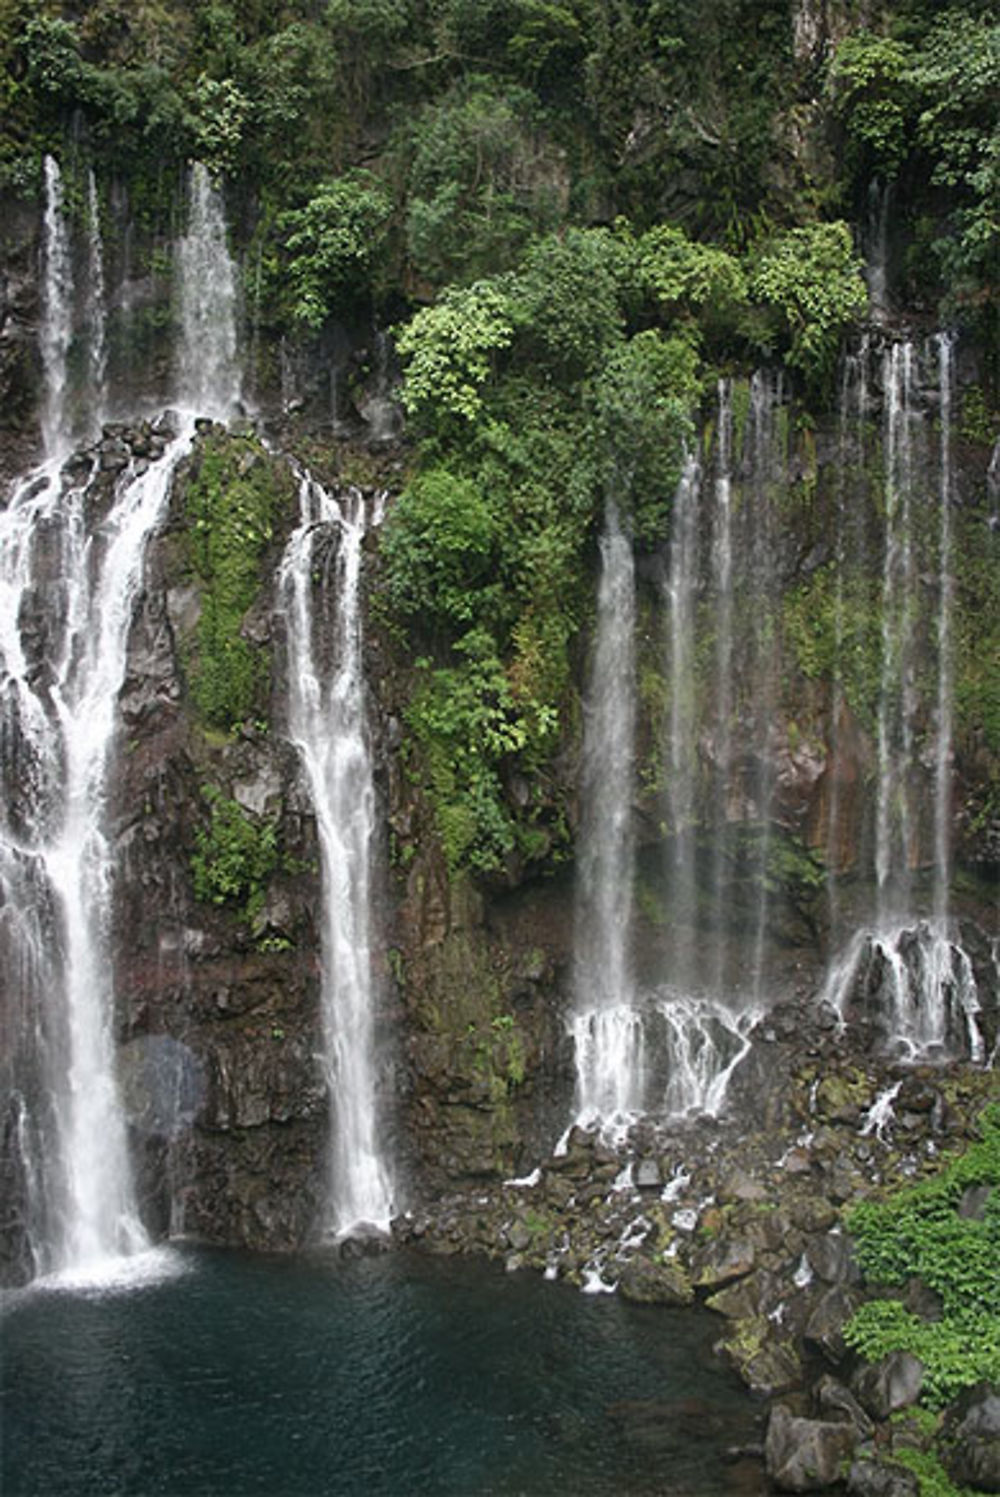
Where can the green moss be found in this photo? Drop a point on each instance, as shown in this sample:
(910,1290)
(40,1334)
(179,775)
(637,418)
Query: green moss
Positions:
(233,503)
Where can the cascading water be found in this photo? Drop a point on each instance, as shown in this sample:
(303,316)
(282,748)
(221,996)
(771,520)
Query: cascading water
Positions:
(72,546)
(682,746)
(327,723)
(57,314)
(607,1034)
(908,975)
(96,308)
(208,369)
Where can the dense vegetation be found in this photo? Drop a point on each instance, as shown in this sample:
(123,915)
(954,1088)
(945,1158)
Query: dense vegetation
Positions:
(575,214)
(945,1232)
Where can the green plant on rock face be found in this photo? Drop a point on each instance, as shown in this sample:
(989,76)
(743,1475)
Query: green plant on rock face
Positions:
(232,501)
(234,855)
(918,1233)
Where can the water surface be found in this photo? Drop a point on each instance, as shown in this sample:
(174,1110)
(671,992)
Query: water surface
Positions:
(386,1377)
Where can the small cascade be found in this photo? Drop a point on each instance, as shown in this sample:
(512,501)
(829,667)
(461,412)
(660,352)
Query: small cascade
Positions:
(602,976)
(57,314)
(702,1043)
(208,369)
(915,987)
(96,310)
(319,587)
(876,247)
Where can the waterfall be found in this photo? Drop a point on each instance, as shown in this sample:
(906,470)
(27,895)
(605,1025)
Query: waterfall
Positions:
(765,400)
(72,548)
(682,742)
(57,736)
(943,745)
(96,308)
(907,975)
(208,370)
(57,313)
(722,594)
(327,722)
(609,1081)
(893,848)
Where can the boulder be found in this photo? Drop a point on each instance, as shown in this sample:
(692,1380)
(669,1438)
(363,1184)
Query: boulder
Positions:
(892,1384)
(824,1330)
(972,1430)
(806,1455)
(655,1283)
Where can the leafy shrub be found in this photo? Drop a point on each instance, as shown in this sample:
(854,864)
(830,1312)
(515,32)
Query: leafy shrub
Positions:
(335,243)
(918,1233)
(812,279)
(448,351)
(234,855)
(440,546)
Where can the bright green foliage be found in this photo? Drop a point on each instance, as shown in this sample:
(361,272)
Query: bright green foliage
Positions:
(335,244)
(448,351)
(871,92)
(220,111)
(957,78)
(440,549)
(234,856)
(467,721)
(811,277)
(536,404)
(918,1232)
(684,275)
(642,401)
(233,502)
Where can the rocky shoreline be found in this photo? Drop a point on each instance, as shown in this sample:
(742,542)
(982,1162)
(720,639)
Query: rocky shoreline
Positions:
(745,1216)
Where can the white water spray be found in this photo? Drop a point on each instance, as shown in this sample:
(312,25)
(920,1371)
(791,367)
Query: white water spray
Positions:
(208,370)
(609,1080)
(327,723)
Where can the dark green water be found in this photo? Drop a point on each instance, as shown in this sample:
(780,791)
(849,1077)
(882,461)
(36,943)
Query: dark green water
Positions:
(386,1377)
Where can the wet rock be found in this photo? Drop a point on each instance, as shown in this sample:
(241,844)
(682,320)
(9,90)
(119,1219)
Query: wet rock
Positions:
(655,1283)
(767,1365)
(892,1384)
(720,1262)
(971,1430)
(805,1455)
(824,1331)
(647,1175)
(972,1205)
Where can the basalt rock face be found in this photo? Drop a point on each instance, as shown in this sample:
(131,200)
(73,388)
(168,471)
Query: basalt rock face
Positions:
(217,1003)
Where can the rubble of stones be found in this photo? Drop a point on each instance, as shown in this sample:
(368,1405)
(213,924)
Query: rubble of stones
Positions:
(745,1216)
